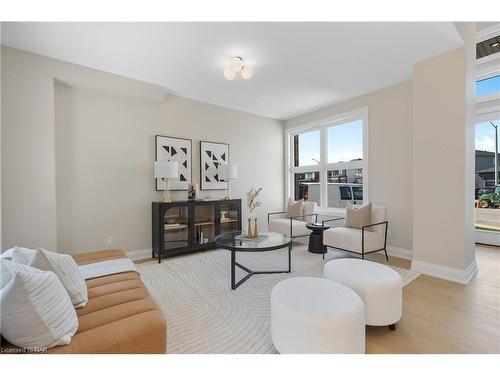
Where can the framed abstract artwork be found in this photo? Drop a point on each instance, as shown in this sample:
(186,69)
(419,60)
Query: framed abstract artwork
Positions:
(179,150)
(212,154)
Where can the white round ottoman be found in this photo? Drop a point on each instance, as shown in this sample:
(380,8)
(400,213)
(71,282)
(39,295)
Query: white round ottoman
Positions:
(380,287)
(312,315)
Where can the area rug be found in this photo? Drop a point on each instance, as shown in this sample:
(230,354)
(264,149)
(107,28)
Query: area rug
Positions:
(205,316)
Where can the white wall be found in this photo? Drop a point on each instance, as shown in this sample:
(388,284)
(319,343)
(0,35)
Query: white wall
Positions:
(78,153)
(443,132)
(390,128)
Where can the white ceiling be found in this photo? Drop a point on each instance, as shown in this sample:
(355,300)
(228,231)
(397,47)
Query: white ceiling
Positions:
(298,67)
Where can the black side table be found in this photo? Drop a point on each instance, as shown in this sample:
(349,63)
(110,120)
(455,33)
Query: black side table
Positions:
(316,238)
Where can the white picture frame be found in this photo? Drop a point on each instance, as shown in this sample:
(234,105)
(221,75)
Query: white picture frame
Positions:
(179,150)
(212,154)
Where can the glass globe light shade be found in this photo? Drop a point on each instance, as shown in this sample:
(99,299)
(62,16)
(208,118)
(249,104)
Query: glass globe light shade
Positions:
(235,64)
(246,72)
(229,74)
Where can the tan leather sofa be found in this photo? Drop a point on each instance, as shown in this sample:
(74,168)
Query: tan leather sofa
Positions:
(120,317)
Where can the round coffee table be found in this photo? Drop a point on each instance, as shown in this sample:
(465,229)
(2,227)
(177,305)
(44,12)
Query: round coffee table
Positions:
(268,241)
(316,238)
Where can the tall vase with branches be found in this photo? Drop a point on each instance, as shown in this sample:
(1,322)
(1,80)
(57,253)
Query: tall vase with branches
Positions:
(252,204)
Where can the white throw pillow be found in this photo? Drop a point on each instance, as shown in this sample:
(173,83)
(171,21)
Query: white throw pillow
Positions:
(36,309)
(65,267)
(358,217)
(7,254)
(295,209)
(310,209)
(22,255)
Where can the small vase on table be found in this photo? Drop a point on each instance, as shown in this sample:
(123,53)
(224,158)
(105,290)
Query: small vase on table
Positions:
(255,229)
(249,229)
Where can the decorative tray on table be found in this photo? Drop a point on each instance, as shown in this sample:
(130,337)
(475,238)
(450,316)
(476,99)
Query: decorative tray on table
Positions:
(243,237)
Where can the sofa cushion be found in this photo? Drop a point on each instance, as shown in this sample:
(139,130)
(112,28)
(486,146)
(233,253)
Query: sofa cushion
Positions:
(120,316)
(282,225)
(98,256)
(350,239)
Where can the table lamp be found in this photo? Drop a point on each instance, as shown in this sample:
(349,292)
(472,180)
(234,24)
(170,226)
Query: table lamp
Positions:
(166,170)
(227,173)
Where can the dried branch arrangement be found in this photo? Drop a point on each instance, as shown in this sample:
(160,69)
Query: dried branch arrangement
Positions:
(252,204)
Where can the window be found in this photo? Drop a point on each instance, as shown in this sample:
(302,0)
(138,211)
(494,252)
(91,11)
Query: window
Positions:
(306,147)
(488,86)
(328,161)
(344,186)
(487,193)
(306,185)
(345,142)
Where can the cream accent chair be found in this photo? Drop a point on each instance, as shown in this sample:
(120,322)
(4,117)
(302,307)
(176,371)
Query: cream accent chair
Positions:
(369,239)
(294,226)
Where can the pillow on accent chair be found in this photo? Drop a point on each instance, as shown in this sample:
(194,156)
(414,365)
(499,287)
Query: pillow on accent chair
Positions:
(295,208)
(358,217)
(310,209)
(63,265)
(36,309)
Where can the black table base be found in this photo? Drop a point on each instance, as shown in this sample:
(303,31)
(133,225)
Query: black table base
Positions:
(316,243)
(235,264)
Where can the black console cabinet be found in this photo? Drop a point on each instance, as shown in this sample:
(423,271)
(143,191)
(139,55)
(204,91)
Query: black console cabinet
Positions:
(186,226)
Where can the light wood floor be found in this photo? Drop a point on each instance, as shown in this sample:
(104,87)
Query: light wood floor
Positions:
(444,317)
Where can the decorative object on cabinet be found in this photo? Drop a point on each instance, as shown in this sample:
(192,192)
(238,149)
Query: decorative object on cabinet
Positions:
(227,173)
(167,171)
(212,155)
(179,150)
(191,193)
(187,226)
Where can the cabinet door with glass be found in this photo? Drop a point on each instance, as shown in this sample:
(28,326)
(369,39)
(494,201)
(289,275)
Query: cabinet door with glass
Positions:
(175,227)
(205,224)
(229,216)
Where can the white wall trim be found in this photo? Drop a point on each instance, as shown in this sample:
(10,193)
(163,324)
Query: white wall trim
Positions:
(447,273)
(399,252)
(138,254)
(488,98)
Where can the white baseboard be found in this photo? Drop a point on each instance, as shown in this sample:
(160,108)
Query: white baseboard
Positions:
(139,254)
(399,252)
(447,273)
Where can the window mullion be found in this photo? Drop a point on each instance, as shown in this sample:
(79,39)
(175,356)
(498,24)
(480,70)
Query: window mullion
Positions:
(324,160)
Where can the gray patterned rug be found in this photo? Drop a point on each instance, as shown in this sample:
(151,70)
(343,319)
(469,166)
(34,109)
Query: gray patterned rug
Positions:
(205,316)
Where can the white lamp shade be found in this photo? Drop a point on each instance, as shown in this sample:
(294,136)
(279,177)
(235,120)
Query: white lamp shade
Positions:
(235,64)
(246,72)
(166,169)
(228,172)
(229,74)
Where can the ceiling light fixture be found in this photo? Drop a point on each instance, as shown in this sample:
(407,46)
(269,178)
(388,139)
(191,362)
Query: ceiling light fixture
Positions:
(236,65)
(494,44)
